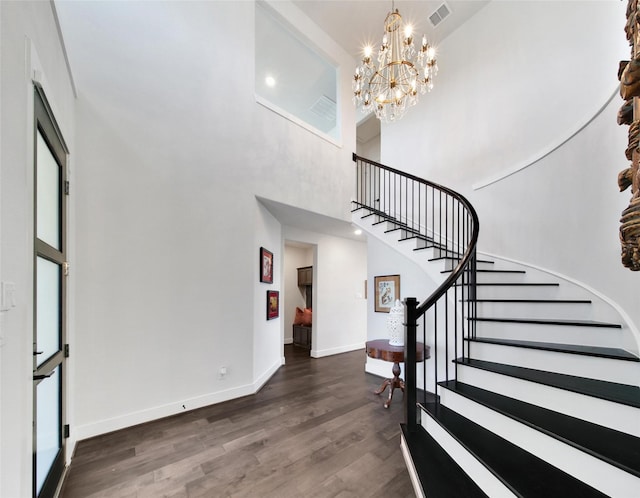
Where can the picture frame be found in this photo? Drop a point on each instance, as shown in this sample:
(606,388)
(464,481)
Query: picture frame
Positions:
(273,304)
(386,291)
(266,266)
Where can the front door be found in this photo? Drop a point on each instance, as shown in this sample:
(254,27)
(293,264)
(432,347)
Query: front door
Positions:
(49,271)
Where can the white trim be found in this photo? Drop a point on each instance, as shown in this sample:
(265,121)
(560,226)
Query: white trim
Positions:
(319,353)
(545,152)
(625,317)
(264,378)
(413,475)
(173,408)
(290,117)
(64,48)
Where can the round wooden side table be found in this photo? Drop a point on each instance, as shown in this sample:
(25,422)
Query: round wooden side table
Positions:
(380,349)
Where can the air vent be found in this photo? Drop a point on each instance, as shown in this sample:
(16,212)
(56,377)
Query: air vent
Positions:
(439,15)
(325,108)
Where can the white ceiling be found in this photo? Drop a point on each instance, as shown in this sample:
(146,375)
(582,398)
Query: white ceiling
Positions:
(355,23)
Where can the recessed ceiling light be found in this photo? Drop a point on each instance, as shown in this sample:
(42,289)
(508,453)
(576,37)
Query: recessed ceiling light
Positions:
(357,232)
(270,81)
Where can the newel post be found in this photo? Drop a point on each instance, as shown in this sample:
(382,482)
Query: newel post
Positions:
(410,400)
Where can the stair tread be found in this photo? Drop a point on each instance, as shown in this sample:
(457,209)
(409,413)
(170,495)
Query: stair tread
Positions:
(517,284)
(535,301)
(507,461)
(601,352)
(439,474)
(458,259)
(548,321)
(492,271)
(615,447)
(610,391)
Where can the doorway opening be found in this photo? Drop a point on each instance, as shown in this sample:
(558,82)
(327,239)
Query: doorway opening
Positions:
(298,306)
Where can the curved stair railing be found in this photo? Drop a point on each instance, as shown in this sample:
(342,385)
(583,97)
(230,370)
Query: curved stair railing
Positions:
(445,225)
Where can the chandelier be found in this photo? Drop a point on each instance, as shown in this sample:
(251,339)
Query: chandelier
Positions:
(402,72)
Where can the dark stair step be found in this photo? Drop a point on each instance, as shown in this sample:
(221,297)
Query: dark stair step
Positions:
(451,258)
(614,447)
(439,474)
(548,321)
(610,391)
(600,352)
(491,271)
(525,474)
(534,301)
(516,284)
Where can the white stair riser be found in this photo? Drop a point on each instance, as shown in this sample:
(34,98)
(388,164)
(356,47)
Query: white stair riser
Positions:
(561,334)
(517,292)
(535,310)
(451,264)
(589,469)
(488,482)
(609,414)
(499,277)
(622,372)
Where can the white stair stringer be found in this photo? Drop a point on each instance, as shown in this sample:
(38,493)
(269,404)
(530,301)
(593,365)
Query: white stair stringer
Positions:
(405,247)
(597,473)
(591,409)
(482,476)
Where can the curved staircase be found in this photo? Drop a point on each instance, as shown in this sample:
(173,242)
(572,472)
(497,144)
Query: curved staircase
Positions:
(533,387)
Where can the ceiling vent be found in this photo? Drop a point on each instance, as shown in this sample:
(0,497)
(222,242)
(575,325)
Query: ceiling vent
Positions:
(325,108)
(440,14)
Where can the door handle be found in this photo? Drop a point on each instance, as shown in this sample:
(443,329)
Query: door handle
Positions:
(36,353)
(43,376)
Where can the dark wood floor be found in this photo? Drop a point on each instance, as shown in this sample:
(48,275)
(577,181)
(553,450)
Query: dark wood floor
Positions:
(314,430)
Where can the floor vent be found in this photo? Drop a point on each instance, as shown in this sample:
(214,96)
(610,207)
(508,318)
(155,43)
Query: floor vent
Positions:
(440,14)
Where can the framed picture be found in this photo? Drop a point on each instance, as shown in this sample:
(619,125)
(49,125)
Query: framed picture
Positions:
(273,304)
(266,266)
(387,290)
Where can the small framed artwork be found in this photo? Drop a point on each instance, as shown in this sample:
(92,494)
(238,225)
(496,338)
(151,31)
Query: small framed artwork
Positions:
(266,266)
(387,290)
(273,304)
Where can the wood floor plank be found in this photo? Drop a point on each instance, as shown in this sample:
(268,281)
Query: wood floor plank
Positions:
(314,430)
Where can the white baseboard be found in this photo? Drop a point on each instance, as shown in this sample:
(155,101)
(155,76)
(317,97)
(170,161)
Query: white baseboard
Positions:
(319,353)
(180,406)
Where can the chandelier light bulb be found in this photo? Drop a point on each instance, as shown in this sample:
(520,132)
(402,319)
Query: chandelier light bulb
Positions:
(392,84)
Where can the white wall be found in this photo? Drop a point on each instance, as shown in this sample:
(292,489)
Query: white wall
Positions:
(339,307)
(414,282)
(171,157)
(29,41)
(369,149)
(515,82)
(268,351)
(294,257)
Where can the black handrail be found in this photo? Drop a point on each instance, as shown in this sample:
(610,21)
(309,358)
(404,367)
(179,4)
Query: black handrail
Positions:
(444,220)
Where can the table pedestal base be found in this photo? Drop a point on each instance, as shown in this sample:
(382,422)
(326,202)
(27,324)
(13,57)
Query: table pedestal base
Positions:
(392,383)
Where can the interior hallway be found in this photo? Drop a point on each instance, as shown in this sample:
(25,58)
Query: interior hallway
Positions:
(314,430)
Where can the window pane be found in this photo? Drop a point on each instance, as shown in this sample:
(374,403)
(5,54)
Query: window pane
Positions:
(47,308)
(48,195)
(292,76)
(48,437)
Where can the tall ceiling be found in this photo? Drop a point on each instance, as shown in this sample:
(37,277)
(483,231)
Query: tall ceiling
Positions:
(355,23)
